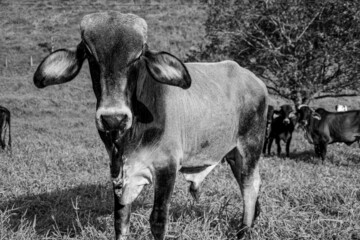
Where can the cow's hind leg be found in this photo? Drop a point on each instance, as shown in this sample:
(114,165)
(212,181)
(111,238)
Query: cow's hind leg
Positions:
(265,144)
(244,164)
(271,139)
(278,146)
(163,187)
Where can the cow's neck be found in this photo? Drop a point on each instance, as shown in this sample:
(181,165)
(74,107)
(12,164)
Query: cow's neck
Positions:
(150,93)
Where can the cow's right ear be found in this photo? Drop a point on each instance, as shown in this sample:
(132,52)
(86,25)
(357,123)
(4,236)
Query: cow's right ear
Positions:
(276,114)
(316,115)
(60,66)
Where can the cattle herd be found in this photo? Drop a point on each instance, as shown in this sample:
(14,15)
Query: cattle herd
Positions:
(158,116)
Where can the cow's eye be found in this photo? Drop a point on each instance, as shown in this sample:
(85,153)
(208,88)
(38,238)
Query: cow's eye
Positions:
(138,56)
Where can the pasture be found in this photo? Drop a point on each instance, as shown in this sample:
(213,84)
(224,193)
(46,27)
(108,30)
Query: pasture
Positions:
(56,184)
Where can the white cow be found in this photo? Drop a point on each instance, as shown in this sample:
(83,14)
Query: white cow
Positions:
(341,108)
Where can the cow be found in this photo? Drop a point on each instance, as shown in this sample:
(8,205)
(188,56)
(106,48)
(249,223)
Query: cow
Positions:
(323,127)
(5,130)
(158,116)
(269,118)
(341,108)
(282,127)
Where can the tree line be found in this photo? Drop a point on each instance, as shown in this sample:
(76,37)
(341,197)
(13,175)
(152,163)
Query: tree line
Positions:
(303,49)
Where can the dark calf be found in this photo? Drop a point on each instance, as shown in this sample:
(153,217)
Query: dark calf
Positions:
(270,115)
(323,127)
(5,128)
(282,127)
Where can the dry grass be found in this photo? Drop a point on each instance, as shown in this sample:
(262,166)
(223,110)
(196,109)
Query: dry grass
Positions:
(56,183)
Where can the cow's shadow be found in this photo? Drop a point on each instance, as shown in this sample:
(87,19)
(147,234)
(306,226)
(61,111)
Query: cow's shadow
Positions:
(67,211)
(64,211)
(307,156)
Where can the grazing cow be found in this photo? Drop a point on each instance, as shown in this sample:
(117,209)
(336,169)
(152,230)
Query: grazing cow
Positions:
(341,108)
(153,124)
(282,128)
(323,127)
(270,115)
(5,129)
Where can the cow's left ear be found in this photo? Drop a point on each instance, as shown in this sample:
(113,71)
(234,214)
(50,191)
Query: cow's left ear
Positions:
(276,114)
(166,68)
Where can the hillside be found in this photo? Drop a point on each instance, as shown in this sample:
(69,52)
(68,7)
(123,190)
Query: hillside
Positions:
(29,28)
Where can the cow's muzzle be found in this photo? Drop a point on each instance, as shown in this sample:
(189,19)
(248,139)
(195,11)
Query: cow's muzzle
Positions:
(303,123)
(113,119)
(114,122)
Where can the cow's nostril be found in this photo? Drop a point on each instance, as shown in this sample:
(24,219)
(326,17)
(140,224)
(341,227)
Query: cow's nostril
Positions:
(114,121)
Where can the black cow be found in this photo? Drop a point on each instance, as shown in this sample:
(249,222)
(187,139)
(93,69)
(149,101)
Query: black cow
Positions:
(153,124)
(269,117)
(5,128)
(282,127)
(323,127)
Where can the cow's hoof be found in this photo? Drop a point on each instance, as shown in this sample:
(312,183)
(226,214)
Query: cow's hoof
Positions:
(195,193)
(158,230)
(244,233)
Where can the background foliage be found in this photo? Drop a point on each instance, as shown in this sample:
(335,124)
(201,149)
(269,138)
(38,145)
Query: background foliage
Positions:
(303,49)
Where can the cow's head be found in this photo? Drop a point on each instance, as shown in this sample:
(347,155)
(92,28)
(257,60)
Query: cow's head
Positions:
(306,114)
(116,49)
(286,113)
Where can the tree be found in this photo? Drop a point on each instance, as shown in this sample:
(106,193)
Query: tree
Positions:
(303,49)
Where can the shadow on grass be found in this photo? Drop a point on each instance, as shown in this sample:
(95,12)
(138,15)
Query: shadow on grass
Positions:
(308,156)
(64,211)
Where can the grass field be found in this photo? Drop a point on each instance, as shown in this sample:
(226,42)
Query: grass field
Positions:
(56,184)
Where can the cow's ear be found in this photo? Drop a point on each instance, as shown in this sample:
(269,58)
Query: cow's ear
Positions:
(60,66)
(276,114)
(292,114)
(316,116)
(166,68)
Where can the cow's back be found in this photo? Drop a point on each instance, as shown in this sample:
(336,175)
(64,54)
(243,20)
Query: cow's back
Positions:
(340,126)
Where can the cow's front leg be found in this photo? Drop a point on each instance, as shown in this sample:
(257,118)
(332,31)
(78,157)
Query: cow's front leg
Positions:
(323,150)
(163,187)
(121,218)
(122,212)
(317,150)
(288,147)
